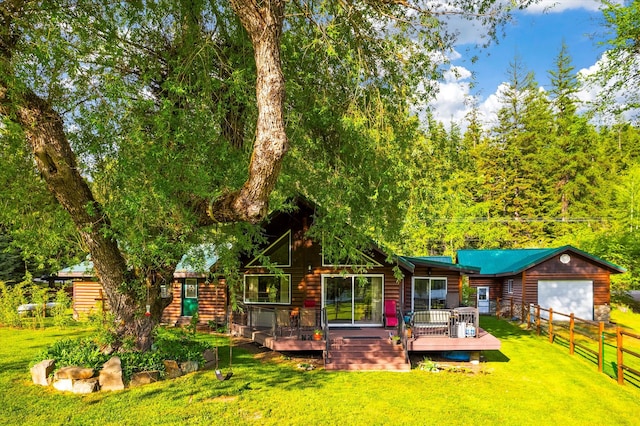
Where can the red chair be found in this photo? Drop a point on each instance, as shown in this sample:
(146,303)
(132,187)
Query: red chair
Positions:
(309,303)
(390,315)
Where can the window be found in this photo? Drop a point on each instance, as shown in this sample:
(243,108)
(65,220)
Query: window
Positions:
(267,289)
(429,293)
(191,288)
(510,286)
(164,291)
(278,253)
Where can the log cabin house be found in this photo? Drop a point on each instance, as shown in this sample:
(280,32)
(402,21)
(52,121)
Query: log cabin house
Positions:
(565,279)
(193,288)
(348,310)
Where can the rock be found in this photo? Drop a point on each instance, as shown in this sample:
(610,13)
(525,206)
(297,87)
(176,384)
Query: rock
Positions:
(74,373)
(114,365)
(172,369)
(188,367)
(40,372)
(144,378)
(63,384)
(111,375)
(85,385)
(210,359)
(210,355)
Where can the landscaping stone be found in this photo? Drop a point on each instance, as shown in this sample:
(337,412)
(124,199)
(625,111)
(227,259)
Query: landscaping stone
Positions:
(41,371)
(210,359)
(85,385)
(144,378)
(189,367)
(172,368)
(111,375)
(74,373)
(63,384)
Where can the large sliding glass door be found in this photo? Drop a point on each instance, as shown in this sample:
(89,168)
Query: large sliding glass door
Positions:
(353,299)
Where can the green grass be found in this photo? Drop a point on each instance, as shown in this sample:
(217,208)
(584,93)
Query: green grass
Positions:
(528,382)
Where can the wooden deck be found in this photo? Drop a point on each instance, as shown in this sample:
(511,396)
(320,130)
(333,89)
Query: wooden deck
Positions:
(484,341)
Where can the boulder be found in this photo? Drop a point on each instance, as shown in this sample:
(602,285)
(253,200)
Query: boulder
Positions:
(144,378)
(210,359)
(41,371)
(74,373)
(172,368)
(111,375)
(85,385)
(63,384)
(189,367)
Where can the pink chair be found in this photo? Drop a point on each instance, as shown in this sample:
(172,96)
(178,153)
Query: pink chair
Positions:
(390,315)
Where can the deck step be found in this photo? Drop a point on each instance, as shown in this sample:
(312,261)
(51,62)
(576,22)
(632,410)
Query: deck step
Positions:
(353,354)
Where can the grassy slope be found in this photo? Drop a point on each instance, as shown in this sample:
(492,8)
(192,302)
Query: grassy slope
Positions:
(528,382)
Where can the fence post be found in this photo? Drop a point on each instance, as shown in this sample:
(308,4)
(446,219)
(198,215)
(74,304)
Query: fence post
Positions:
(523,316)
(550,325)
(511,309)
(572,324)
(497,307)
(601,346)
(538,319)
(619,345)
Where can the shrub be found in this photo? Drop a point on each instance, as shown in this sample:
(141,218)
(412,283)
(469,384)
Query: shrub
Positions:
(39,297)
(59,311)
(10,298)
(87,352)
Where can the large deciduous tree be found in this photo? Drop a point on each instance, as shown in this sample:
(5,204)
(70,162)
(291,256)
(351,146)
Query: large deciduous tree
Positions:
(159,125)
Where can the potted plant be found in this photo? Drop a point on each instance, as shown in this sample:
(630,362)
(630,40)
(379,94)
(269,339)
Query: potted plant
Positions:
(317,334)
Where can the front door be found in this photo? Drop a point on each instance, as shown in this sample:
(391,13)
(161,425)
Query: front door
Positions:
(483,300)
(189,297)
(353,299)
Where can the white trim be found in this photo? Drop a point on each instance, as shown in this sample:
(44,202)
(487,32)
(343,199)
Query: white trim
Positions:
(353,323)
(430,278)
(255,259)
(510,286)
(244,289)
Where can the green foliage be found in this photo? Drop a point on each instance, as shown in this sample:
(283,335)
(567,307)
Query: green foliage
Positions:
(60,310)
(89,352)
(38,296)
(10,298)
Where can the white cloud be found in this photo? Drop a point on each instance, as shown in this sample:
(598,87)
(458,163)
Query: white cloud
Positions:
(559,6)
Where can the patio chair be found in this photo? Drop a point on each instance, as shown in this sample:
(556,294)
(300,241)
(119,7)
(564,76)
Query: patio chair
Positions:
(390,314)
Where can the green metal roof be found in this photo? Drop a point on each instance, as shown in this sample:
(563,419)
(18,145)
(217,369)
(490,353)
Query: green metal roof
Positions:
(83,269)
(443,262)
(514,261)
(197,262)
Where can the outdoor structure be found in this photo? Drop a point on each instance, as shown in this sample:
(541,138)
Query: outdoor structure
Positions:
(301,294)
(193,288)
(565,279)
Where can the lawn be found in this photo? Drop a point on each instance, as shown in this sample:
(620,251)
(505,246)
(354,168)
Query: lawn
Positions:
(528,382)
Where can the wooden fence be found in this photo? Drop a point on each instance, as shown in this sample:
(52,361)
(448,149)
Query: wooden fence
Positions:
(593,340)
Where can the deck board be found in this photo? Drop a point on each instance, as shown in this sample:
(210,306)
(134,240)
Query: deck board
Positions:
(484,341)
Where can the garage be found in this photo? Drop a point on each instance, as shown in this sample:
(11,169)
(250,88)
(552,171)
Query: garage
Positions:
(567,296)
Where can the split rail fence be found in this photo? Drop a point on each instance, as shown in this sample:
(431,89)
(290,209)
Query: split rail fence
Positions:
(615,350)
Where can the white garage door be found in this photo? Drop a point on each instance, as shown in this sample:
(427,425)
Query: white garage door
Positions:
(567,297)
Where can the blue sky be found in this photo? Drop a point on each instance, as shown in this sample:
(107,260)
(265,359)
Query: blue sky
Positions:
(536,36)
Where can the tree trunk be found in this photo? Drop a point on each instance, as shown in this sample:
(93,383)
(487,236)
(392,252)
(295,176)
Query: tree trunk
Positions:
(263,23)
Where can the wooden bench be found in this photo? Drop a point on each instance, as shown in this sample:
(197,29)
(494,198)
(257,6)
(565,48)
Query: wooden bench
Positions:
(434,322)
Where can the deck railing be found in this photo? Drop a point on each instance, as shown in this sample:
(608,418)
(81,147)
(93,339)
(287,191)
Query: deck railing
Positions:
(282,321)
(458,322)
